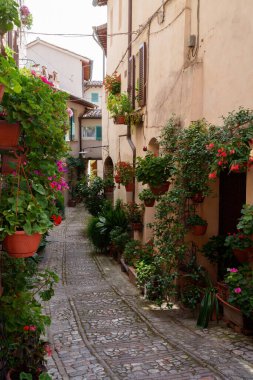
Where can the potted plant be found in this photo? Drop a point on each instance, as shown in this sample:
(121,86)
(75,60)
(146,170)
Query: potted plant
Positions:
(155,171)
(199,225)
(134,213)
(242,242)
(112,83)
(124,172)
(238,308)
(24,218)
(119,107)
(135,118)
(148,197)
(108,184)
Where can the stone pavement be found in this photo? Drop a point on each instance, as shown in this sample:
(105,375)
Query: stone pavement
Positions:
(103,329)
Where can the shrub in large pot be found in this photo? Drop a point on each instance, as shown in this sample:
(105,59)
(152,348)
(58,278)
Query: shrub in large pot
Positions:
(24,218)
(155,171)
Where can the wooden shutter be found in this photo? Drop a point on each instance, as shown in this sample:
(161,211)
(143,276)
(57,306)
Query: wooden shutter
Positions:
(131,80)
(142,75)
(98,133)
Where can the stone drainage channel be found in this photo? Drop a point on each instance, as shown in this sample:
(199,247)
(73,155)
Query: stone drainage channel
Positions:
(101,328)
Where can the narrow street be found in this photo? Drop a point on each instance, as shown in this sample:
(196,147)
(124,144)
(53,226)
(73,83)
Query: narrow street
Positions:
(102,329)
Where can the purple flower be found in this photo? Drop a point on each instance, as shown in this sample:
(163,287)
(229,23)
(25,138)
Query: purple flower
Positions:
(237,290)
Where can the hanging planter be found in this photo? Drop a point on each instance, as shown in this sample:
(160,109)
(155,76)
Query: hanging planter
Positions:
(129,187)
(198,198)
(21,245)
(2,88)
(9,135)
(120,119)
(160,189)
(137,226)
(149,202)
(199,230)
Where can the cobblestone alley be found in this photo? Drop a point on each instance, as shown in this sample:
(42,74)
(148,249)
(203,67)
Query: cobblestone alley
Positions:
(102,329)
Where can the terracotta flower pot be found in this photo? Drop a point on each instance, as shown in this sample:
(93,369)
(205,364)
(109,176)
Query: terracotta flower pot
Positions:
(120,119)
(109,189)
(9,135)
(117,178)
(129,187)
(244,255)
(199,230)
(2,88)
(198,198)
(149,202)
(234,315)
(137,226)
(160,189)
(21,245)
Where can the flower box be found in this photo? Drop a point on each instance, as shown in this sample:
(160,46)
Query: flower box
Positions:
(9,135)
(232,314)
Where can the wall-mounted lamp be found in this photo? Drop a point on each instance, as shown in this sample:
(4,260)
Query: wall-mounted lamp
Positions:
(83,153)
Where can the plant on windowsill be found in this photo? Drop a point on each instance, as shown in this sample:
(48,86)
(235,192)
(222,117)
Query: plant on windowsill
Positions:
(124,172)
(199,225)
(155,171)
(135,118)
(119,107)
(112,83)
(147,197)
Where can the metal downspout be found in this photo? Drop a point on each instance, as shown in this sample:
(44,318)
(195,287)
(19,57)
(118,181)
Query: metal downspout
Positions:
(129,139)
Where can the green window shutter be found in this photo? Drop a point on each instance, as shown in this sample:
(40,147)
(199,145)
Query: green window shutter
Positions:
(94,97)
(98,133)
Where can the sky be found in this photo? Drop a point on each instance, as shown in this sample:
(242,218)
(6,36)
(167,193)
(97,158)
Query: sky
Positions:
(64,16)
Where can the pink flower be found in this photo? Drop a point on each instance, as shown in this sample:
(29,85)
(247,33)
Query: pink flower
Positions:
(48,349)
(210,146)
(235,168)
(237,290)
(233,270)
(212,175)
(232,151)
(220,163)
(69,112)
(33,328)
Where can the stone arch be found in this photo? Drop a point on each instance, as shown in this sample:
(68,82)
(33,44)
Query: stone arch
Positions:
(153,145)
(108,167)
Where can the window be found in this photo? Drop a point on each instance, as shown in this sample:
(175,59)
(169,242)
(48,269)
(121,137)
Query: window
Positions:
(98,133)
(89,133)
(94,97)
(72,128)
(137,77)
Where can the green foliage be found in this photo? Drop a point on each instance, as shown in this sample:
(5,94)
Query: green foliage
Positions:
(245,223)
(134,212)
(94,235)
(112,83)
(153,170)
(208,305)
(240,284)
(9,15)
(238,241)
(146,194)
(132,252)
(119,238)
(196,220)
(125,171)
(9,73)
(93,195)
(119,105)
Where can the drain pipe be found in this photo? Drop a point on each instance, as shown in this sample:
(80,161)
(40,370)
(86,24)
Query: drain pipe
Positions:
(129,139)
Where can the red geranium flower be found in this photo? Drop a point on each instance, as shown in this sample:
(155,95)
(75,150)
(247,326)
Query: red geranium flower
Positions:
(56,219)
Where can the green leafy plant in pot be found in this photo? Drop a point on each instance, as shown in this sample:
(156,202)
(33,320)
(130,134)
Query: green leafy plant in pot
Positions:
(119,107)
(155,171)
(198,225)
(148,197)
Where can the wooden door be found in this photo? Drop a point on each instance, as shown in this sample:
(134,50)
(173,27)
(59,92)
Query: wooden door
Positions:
(232,197)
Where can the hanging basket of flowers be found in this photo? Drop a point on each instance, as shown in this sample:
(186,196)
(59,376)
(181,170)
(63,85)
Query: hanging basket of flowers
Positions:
(124,173)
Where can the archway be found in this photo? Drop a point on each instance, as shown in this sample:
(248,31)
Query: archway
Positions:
(153,146)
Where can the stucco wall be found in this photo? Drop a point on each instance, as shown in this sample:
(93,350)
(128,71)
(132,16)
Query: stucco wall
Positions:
(69,68)
(217,80)
(89,91)
(92,152)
